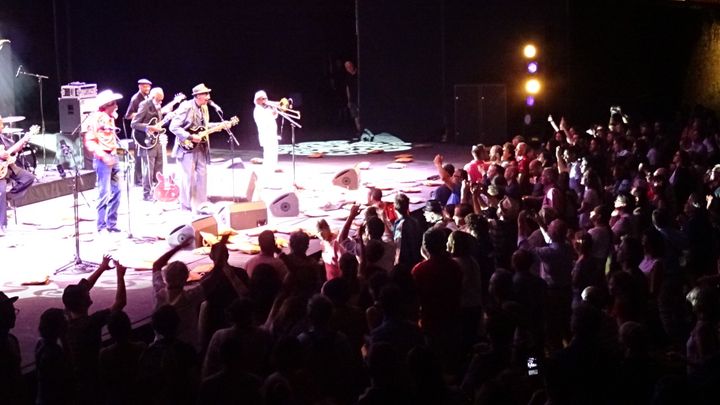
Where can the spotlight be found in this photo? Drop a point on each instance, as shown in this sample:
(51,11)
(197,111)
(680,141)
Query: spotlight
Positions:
(527,119)
(532,86)
(530,101)
(532,67)
(529,51)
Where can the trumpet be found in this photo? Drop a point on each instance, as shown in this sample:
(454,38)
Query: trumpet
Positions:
(284,106)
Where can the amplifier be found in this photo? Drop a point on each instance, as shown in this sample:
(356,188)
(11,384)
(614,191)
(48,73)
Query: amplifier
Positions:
(79,90)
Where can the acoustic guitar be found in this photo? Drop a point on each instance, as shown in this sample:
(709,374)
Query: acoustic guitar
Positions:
(189,145)
(13,150)
(166,190)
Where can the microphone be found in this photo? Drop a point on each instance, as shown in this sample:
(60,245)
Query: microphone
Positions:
(18,71)
(215,106)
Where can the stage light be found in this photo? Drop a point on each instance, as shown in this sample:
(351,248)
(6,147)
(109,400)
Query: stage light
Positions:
(530,101)
(532,86)
(532,67)
(530,51)
(527,119)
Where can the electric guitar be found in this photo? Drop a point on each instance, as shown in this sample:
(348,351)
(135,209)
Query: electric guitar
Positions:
(189,145)
(169,106)
(13,150)
(150,138)
(166,190)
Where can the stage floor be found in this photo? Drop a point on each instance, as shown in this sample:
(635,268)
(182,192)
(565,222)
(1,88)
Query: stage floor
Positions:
(40,236)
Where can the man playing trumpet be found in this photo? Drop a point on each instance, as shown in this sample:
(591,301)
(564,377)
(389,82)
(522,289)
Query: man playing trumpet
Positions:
(265,115)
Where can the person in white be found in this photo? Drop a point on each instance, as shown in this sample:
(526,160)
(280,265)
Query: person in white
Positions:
(265,117)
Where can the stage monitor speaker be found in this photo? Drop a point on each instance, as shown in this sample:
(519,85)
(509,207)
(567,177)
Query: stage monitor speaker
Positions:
(244,215)
(179,235)
(287,205)
(348,178)
(184,232)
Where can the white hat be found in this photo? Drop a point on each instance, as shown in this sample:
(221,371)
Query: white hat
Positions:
(106,96)
(259,94)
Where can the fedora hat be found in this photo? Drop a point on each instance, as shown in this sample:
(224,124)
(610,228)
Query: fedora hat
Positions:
(144,81)
(200,89)
(106,96)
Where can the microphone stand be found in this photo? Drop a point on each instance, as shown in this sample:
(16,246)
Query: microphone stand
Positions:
(78,265)
(130,162)
(293,124)
(42,112)
(232,140)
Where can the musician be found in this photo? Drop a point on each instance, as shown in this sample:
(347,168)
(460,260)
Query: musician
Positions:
(21,178)
(151,159)
(193,177)
(137,98)
(101,141)
(265,118)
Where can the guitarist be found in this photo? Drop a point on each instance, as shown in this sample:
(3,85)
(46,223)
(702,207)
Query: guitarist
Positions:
(21,178)
(190,114)
(101,141)
(151,158)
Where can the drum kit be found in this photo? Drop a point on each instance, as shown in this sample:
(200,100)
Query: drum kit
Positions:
(26,158)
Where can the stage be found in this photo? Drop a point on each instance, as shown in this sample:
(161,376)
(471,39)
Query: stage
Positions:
(40,235)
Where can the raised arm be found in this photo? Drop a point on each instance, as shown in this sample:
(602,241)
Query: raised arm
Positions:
(104,265)
(354,211)
(165,258)
(120,292)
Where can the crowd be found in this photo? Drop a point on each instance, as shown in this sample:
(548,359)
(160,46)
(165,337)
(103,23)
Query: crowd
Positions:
(582,270)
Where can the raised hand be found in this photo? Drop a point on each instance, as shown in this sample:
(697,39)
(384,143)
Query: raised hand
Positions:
(105,263)
(119,268)
(354,211)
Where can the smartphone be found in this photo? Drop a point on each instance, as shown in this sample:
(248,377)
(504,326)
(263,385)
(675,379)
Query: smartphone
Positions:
(532,366)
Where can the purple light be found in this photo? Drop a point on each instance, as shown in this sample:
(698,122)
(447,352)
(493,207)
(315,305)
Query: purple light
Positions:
(532,67)
(530,101)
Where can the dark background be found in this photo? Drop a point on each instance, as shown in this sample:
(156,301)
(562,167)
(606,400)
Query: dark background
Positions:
(411,54)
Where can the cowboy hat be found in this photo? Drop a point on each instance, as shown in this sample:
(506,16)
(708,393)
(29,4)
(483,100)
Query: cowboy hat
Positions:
(105,97)
(200,89)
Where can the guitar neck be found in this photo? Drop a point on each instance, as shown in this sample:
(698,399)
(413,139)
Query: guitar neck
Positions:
(19,144)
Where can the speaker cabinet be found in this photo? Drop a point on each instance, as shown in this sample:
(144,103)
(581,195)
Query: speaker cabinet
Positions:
(243,215)
(348,178)
(287,205)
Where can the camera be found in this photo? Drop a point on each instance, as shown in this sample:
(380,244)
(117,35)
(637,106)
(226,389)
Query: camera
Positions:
(532,366)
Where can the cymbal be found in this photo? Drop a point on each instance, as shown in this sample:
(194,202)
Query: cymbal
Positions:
(11,119)
(12,130)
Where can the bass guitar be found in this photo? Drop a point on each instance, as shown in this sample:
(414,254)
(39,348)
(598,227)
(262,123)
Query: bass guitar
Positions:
(189,145)
(13,150)
(166,190)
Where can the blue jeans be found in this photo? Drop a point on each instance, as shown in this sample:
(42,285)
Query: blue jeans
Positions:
(108,182)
